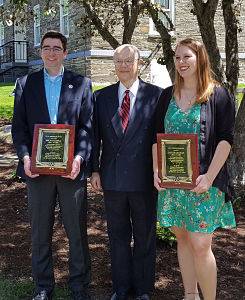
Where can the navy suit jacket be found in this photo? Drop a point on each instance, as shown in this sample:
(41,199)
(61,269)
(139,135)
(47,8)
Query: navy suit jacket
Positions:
(125,162)
(75,108)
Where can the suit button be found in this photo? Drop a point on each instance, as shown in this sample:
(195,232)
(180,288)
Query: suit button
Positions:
(118,154)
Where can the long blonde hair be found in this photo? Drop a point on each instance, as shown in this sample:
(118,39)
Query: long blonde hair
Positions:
(205,81)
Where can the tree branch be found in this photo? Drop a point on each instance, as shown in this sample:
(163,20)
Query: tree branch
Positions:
(130,20)
(104,32)
(166,38)
(205,13)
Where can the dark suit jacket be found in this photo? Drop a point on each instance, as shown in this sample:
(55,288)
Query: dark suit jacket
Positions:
(75,108)
(217,123)
(126,159)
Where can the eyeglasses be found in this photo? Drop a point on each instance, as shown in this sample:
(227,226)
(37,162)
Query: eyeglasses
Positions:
(56,49)
(127,62)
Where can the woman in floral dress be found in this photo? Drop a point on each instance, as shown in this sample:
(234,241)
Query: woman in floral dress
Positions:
(197,104)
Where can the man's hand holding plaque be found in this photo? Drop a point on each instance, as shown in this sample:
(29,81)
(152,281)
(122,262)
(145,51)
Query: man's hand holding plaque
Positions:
(75,170)
(178,164)
(53,149)
(27,167)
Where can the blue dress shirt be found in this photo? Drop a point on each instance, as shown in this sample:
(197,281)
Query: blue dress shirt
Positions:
(52,89)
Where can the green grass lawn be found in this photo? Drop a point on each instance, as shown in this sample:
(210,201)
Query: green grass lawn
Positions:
(239,96)
(14,290)
(6,100)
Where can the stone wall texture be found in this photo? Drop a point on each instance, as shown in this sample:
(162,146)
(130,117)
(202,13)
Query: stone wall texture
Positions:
(100,67)
(186,25)
(78,39)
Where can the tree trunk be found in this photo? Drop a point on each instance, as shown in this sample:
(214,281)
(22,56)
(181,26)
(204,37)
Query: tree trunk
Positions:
(231,44)
(130,17)
(237,157)
(205,13)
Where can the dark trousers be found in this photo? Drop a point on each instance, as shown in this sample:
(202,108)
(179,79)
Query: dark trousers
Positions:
(131,216)
(43,193)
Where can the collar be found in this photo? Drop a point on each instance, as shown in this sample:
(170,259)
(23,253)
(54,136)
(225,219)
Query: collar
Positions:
(53,78)
(133,89)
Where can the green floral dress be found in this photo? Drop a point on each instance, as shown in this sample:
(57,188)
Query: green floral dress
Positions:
(183,208)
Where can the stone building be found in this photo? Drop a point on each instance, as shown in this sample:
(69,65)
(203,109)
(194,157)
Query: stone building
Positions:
(89,54)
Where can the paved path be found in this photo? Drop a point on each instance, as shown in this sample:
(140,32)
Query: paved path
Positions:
(7,159)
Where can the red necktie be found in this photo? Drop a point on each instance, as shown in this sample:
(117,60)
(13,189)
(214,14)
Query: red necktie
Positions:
(124,110)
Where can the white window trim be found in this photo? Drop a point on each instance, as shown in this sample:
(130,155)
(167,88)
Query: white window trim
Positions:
(152,30)
(37,25)
(62,15)
(2,41)
(2,31)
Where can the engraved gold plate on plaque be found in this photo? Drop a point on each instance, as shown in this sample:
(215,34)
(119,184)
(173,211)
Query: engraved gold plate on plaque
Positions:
(178,165)
(53,149)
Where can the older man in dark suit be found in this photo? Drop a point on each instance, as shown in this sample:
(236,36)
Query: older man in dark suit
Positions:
(124,129)
(50,96)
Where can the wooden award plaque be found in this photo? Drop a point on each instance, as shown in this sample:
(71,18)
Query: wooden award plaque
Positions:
(52,149)
(178,163)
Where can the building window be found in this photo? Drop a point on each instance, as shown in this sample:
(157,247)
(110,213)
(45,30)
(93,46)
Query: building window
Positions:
(168,6)
(37,27)
(1,37)
(64,17)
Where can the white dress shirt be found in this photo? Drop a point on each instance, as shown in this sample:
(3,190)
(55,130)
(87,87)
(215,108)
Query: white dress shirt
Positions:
(132,93)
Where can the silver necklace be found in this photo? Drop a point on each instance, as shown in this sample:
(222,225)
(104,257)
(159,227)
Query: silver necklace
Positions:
(190,100)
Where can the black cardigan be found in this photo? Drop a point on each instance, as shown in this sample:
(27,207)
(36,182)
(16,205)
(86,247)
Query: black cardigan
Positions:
(217,123)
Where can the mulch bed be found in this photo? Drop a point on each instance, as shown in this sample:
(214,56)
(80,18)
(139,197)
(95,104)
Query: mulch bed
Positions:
(15,262)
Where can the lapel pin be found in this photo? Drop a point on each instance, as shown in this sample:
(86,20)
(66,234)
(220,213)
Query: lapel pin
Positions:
(70,86)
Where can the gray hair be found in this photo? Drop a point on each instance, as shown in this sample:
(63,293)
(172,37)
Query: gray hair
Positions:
(130,47)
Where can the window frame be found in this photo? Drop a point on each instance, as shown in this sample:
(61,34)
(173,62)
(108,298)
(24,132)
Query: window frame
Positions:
(152,30)
(62,17)
(37,25)
(2,38)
